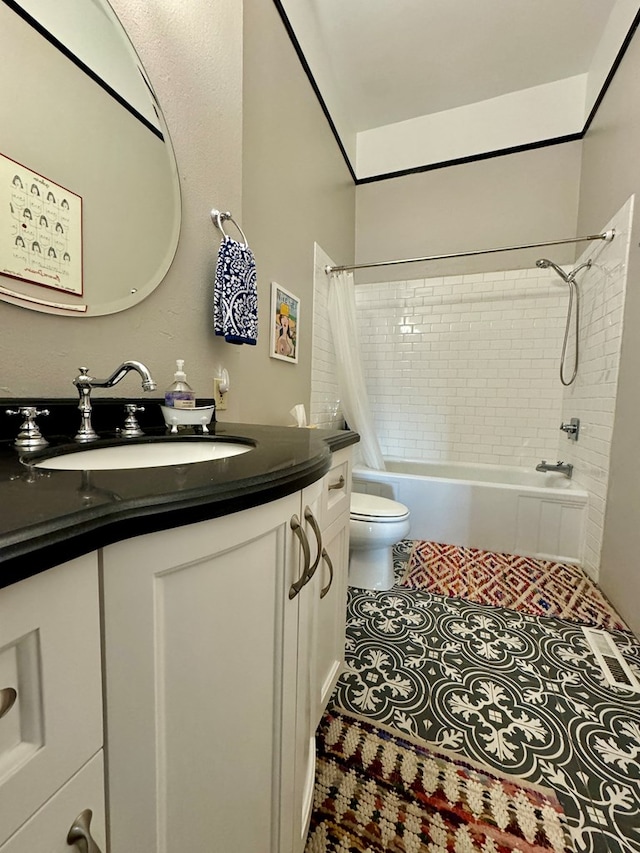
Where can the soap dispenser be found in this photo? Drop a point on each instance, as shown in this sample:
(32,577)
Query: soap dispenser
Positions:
(180,394)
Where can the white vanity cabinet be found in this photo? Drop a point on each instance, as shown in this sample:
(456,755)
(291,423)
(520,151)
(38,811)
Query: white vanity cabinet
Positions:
(210,684)
(216,648)
(51,728)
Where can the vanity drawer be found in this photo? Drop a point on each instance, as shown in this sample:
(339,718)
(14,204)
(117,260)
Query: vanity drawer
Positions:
(50,666)
(47,830)
(337,489)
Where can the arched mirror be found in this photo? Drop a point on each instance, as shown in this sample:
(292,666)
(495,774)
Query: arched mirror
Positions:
(89,189)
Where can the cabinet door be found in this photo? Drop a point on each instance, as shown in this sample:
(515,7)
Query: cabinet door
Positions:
(331,584)
(305,720)
(47,830)
(50,665)
(200,657)
(331,595)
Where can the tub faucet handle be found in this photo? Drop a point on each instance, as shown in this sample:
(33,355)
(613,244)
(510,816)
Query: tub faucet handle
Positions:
(572,428)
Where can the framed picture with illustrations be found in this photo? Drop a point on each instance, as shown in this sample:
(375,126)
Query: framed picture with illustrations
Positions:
(285,324)
(40,230)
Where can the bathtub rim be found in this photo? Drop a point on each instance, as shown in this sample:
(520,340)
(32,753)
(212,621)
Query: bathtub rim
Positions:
(371,473)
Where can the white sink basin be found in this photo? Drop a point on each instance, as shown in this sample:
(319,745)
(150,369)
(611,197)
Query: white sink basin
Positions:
(152,455)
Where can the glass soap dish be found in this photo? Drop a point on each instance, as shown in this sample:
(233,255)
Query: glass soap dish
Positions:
(198,416)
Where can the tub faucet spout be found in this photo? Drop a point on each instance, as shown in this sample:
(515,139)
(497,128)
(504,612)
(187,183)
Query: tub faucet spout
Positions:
(84,383)
(565,468)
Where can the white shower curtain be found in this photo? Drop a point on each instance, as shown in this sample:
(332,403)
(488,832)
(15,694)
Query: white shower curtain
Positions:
(353,391)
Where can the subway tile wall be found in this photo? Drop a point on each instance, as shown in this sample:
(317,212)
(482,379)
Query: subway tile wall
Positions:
(465,368)
(592,396)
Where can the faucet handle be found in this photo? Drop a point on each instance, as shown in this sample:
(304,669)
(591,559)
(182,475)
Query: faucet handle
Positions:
(131,428)
(572,428)
(29,437)
(28,411)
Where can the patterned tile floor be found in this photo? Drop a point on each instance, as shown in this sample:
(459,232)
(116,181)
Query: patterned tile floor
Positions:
(518,692)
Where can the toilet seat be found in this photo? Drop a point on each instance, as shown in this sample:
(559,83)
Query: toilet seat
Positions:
(375,508)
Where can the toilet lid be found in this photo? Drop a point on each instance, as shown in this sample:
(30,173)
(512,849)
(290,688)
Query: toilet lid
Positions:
(364,507)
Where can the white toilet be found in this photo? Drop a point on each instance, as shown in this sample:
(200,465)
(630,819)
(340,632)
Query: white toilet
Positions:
(377,524)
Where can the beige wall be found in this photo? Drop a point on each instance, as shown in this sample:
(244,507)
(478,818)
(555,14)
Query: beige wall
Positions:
(505,201)
(610,174)
(296,189)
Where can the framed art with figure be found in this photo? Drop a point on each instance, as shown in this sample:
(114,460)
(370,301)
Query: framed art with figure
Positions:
(285,324)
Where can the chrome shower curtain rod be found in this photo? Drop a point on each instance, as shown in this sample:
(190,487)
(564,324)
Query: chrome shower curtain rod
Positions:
(607,235)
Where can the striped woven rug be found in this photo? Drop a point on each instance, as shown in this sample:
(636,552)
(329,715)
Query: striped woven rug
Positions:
(537,587)
(381,793)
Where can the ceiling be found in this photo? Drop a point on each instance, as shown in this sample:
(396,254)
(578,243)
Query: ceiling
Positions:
(403,81)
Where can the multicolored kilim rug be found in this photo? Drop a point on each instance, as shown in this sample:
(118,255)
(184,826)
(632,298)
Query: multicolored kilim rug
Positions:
(378,792)
(537,587)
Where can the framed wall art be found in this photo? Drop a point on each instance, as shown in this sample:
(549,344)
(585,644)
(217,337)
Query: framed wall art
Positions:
(40,230)
(285,324)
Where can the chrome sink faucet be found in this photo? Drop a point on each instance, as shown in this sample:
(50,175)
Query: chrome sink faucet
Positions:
(84,383)
(565,468)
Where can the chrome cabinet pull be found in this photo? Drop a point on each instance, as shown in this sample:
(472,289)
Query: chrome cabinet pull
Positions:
(310,518)
(80,833)
(327,560)
(7,698)
(338,485)
(302,580)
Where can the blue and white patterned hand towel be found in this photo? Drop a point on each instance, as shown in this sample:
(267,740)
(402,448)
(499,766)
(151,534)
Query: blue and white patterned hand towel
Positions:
(235,298)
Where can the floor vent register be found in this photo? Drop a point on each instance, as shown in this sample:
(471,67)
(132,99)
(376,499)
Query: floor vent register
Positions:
(615,668)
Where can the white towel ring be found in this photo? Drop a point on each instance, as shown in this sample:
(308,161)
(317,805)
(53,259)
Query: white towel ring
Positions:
(219,217)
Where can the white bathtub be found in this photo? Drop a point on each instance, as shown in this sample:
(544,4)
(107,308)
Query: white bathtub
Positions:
(491,507)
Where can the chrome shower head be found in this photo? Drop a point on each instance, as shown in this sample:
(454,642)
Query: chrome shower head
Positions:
(545,263)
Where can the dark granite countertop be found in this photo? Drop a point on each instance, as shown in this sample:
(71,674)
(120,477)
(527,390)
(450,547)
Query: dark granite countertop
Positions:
(50,516)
